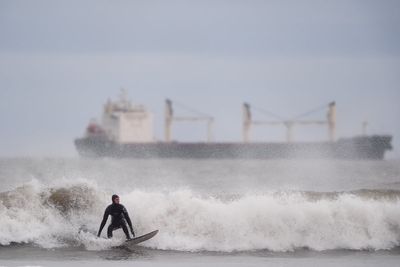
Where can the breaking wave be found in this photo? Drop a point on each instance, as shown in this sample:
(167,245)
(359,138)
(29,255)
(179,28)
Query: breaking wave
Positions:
(69,214)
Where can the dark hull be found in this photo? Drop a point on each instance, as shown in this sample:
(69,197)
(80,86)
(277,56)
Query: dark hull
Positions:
(361,147)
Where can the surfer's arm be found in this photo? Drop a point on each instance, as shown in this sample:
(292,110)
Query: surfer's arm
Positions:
(103,222)
(128,220)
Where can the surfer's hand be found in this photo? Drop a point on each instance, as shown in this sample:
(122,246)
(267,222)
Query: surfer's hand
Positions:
(98,235)
(133,233)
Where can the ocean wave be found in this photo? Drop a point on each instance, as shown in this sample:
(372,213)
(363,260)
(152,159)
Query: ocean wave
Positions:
(277,221)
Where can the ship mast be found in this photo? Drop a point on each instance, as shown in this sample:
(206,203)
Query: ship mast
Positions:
(289,123)
(246,122)
(170,118)
(332,121)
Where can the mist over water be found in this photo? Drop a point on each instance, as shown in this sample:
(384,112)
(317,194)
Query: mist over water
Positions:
(206,205)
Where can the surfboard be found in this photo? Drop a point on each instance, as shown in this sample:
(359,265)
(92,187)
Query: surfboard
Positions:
(141,238)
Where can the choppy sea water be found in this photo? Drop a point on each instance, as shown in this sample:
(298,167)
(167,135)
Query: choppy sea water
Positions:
(209,212)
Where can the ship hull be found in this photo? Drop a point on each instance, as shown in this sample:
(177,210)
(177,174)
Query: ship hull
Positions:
(361,147)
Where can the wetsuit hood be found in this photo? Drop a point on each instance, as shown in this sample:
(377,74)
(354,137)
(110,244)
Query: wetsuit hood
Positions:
(114,197)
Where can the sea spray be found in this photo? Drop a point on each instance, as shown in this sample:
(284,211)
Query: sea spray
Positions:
(277,221)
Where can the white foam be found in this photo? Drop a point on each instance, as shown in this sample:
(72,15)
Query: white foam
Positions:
(188,222)
(273,222)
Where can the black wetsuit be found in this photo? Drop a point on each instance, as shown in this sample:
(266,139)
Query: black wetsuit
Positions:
(119,218)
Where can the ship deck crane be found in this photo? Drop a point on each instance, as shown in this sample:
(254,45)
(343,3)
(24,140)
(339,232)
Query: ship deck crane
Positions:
(289,123)
(170,118)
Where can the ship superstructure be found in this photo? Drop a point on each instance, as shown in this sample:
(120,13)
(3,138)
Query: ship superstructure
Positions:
(124,122)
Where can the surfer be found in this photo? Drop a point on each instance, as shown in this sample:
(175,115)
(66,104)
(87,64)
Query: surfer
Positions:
(119,218)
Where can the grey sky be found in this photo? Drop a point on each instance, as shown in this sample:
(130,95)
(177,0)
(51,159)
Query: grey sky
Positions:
(61,60)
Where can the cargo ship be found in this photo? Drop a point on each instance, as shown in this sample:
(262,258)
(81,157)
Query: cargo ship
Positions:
(126,130)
